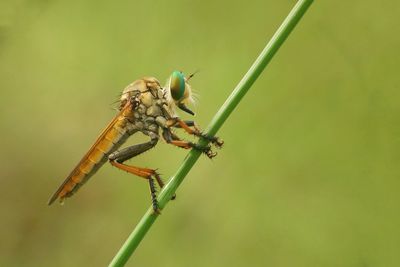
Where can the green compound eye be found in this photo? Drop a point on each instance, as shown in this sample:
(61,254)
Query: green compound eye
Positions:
(177,85)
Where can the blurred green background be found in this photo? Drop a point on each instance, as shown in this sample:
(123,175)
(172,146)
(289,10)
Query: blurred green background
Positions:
(309,175)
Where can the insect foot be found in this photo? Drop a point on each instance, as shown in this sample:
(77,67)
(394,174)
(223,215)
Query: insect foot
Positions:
(210,154)
(216,141)
(156,210)
(206,150)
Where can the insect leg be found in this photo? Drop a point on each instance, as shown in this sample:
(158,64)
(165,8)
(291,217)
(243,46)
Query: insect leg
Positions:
(132,151)
(196,131)
(153,195)
(173,139)
(118,157)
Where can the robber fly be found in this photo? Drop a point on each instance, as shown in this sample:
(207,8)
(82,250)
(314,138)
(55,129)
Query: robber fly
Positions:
(148,108)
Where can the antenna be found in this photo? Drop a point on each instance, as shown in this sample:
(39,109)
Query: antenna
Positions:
(191,75)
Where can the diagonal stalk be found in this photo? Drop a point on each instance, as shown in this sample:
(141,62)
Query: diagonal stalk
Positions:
(230,104)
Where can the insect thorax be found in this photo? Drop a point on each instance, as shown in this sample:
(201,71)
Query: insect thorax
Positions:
(149,98)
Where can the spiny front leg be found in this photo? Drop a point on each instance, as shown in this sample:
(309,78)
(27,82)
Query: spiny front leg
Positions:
(173,139)
(186,125)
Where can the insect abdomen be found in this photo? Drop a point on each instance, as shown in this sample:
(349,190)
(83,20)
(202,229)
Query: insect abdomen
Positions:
(109,141)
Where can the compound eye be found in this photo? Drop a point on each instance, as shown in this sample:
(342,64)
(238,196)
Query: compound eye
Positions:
(177,85)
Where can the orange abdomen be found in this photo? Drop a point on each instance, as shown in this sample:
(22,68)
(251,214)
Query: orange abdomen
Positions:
(109,140)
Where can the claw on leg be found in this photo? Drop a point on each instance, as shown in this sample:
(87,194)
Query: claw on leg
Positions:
(218,142)
(206,150)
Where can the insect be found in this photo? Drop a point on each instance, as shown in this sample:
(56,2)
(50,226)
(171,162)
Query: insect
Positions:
(148,108)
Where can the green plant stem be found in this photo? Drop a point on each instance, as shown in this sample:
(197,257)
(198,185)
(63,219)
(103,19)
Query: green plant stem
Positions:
(230,104)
